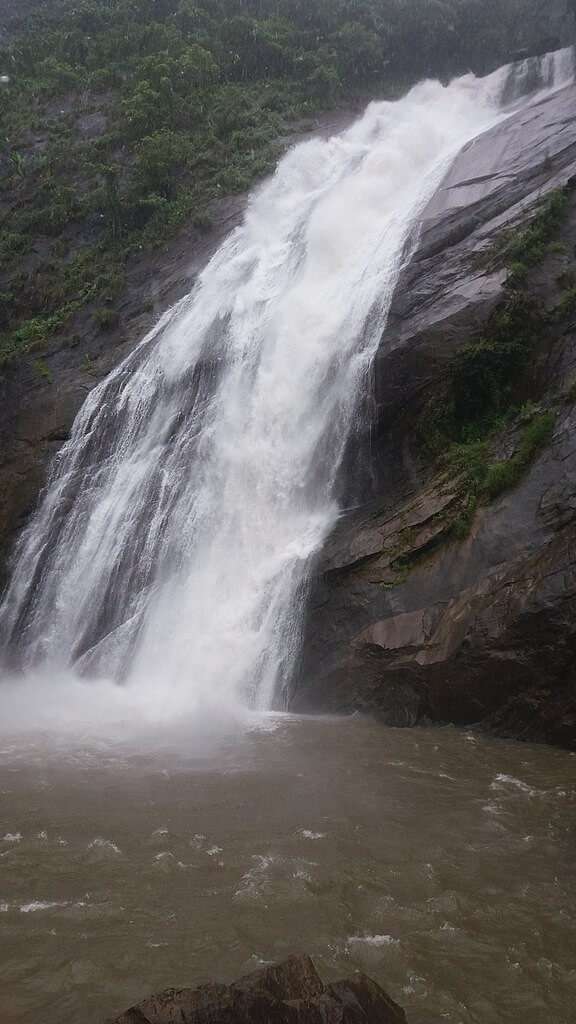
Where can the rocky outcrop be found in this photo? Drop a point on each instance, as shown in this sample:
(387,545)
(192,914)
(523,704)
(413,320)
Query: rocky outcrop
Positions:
(287,993)
(405,619)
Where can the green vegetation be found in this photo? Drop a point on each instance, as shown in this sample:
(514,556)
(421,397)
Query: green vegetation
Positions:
(567,304)
(483,383)
(485,375)
(43,370)
(30,336)
(525,248)
(106,319)
(486,479)
(461,526)
(121,119)
(480,403)
(480,478)
(501,476)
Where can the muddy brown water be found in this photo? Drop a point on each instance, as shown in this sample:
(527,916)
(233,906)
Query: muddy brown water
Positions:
(440,862)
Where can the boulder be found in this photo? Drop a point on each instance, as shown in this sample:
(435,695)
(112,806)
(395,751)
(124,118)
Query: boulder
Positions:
(287,993)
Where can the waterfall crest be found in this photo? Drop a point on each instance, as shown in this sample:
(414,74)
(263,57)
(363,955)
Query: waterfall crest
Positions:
(172,546)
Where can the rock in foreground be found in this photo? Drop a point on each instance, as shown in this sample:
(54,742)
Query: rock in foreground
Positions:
(287,993)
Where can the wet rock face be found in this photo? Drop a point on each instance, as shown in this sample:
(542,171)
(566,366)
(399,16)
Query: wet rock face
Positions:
(287,993)
(450,287)
(480,630)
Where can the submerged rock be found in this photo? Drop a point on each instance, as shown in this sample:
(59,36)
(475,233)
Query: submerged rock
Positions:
(287,993)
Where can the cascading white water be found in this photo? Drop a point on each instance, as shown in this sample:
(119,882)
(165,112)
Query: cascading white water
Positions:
(534,74)
(172,546)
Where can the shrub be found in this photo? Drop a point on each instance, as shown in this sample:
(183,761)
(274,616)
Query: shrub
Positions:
(12,245)
(502,476)
(29,336)
(567,304)
(463,523)
(159,158)
(528,246)
(34,333)
(486,372)
(202,221)
(43,370)
(106,319)
(535,436)
(470,460)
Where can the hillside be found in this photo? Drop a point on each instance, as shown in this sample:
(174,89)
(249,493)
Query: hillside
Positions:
(123,120)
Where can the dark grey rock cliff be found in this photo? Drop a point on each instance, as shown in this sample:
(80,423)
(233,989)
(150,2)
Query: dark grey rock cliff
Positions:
(481,630)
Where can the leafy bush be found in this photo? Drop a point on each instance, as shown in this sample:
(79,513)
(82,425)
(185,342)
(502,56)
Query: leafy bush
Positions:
(159,158)
(502,476)
(486,372)
(34,333)
(202,221)
(484,480)
(567,304)
(12,245)
(43,370)
(462,525)
(471,461)
(30,336)
(106,319)
(525,248)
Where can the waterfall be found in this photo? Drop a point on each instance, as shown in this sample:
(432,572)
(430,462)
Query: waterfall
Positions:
(529,76)
(172,546)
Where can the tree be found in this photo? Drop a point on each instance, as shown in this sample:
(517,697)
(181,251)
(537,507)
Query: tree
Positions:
(142,110)
(359,52)
(160,156)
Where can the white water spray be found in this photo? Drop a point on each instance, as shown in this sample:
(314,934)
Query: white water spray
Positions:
(172,547)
